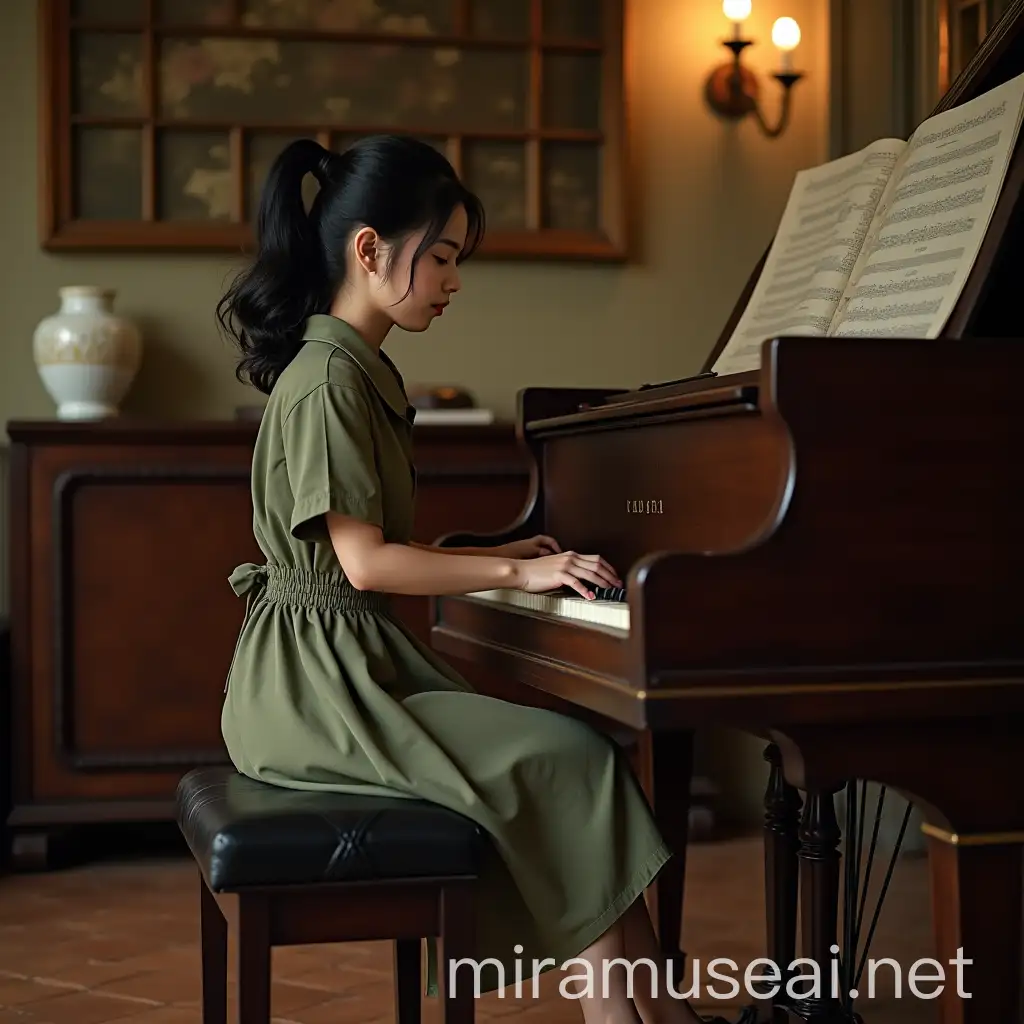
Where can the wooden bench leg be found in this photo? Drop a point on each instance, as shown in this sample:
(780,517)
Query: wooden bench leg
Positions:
(252,959)
(408,980)
(457,933)
(213,938)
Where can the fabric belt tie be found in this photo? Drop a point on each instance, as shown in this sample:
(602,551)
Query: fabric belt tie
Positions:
(326,590)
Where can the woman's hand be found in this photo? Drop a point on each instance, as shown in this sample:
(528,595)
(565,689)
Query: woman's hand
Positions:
(549,572)
(531,547)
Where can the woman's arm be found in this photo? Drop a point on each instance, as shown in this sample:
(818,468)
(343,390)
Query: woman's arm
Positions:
(525,547)
(370,563)
(452,551)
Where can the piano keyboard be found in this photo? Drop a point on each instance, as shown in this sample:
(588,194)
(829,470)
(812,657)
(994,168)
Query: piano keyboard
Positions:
(594,613)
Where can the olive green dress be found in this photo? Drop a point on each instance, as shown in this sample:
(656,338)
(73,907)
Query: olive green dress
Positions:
(327,691)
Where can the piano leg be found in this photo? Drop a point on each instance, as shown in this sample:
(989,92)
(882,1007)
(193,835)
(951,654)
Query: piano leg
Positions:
(782,808)
(801,858)
(665,767)
(965,779)
(819,902)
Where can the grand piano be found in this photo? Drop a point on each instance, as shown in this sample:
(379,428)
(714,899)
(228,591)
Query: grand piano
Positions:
(826,553)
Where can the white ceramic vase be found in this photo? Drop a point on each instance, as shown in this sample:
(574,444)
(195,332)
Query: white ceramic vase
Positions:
(86,355)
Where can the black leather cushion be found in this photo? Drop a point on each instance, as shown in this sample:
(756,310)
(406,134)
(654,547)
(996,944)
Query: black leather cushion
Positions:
(244,833)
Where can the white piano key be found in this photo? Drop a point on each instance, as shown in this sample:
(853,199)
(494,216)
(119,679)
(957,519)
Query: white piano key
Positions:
(614,614)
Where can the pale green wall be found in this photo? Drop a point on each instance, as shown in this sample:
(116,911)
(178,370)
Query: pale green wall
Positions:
(708,198)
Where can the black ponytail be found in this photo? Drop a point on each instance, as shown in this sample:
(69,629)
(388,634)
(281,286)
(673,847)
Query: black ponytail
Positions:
(393,184)
(266,307)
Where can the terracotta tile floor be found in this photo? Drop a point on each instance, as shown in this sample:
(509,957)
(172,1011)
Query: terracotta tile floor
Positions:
(114,939)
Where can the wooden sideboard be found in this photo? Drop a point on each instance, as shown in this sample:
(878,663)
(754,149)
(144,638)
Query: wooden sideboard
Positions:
(122,535)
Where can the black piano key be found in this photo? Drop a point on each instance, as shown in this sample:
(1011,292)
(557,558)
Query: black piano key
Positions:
(617,594)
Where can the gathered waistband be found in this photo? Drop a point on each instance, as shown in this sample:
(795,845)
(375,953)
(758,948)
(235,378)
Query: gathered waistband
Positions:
(327,590)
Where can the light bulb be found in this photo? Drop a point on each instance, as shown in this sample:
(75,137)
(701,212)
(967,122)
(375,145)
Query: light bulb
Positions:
(786,37)
(786,33)
(736,10)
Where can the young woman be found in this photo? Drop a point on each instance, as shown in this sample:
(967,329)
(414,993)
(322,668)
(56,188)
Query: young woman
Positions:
(326,691)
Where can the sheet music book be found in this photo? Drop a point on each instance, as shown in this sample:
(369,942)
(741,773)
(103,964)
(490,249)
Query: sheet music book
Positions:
(880,242)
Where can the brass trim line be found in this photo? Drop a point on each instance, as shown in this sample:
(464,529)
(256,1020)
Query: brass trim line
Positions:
(661,692)
(975,839)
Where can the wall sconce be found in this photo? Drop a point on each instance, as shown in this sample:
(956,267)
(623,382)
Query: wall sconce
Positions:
(732,89)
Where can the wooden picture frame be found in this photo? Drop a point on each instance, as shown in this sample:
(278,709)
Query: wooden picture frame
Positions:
(160,117)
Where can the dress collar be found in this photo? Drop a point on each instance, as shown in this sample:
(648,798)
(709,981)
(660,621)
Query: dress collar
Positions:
(381,371)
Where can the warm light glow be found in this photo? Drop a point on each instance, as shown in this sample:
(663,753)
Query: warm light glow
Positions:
(736,10)
(785,34)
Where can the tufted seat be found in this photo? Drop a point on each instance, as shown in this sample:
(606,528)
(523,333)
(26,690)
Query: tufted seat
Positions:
(245,833)
(286,867)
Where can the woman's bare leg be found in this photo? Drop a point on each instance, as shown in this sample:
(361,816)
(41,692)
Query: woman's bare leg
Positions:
(603,1003)
(654,1002)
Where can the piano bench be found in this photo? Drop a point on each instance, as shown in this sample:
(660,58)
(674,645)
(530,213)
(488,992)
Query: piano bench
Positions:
(287,867)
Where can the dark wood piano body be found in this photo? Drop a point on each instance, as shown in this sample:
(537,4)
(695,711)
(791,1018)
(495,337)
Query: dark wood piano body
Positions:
(827,553)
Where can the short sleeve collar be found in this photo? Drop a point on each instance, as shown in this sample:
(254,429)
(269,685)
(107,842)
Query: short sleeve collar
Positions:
(381,371)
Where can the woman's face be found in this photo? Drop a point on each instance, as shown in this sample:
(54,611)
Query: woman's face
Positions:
(435,281)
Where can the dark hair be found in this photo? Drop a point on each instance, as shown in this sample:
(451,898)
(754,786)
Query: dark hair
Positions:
(394,184)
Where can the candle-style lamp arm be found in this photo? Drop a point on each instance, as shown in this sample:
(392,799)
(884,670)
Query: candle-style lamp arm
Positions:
(731,90)
(787,79)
